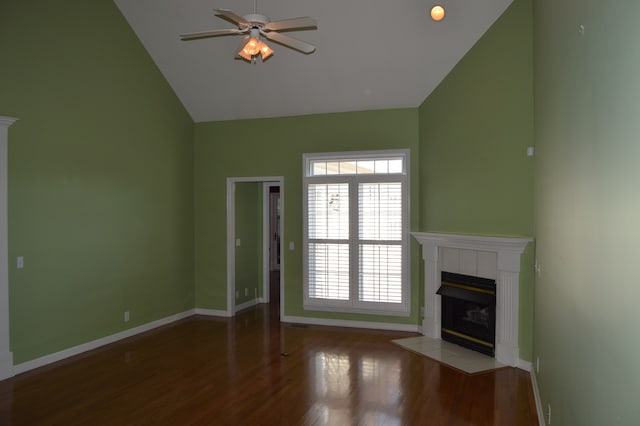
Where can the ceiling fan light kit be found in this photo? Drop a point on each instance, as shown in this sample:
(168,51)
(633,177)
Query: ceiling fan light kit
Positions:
(254,26)
(252,47)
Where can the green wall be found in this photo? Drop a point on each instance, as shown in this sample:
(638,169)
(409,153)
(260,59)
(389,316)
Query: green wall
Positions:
(475,176)
(109,177)
(274,147)
(248,229)
(100,177)
(587,210)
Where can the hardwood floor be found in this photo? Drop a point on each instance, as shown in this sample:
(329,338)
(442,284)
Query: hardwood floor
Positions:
(251,370)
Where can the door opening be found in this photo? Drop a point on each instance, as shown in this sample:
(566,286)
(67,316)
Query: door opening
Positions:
(273,289)
(274,228)
(272,256)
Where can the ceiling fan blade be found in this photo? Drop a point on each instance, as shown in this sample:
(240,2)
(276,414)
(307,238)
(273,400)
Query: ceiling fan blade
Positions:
(289,41)
(232,17)
(207,34)
(303,23)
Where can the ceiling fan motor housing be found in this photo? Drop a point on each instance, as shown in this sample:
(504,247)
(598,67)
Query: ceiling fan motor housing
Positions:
(257,19)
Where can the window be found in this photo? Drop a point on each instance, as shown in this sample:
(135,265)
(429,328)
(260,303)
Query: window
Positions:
(356,232)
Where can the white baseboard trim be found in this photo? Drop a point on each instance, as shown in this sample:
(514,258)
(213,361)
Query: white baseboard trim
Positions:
(212,312)
(76,350)
(245,305)
(523,365)
(353,324)
(6,365)
(536,394)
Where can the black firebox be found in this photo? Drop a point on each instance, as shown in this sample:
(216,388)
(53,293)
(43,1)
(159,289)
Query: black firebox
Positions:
(469,311)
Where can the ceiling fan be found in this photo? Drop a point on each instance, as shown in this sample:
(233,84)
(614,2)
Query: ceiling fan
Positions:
(255,25)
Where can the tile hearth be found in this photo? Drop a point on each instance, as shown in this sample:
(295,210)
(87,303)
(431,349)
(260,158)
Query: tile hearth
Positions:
(453,355)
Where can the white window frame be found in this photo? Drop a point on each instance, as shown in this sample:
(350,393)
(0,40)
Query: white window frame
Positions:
(353,305)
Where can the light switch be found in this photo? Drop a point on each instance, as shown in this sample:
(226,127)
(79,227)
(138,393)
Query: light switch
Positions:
(237,242)
(20,262)
(291,245)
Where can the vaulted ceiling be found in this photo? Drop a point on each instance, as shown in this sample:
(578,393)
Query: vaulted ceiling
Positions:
(371,54)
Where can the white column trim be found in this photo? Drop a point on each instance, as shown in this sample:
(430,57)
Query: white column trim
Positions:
(6,356)
(431,323)
(508,251)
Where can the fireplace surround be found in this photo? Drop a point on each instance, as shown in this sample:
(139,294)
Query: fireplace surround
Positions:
(495,258)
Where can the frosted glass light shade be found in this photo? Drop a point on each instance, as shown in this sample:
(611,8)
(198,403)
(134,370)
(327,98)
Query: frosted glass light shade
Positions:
(437,13)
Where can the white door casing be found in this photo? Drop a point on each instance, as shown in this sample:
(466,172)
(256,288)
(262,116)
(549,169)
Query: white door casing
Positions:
(6,357)
(231,275)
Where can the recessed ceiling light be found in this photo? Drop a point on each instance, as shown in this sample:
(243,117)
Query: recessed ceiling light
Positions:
(437,13)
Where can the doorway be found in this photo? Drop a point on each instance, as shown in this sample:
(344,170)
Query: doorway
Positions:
(272,256)
(272,289)
(274,227)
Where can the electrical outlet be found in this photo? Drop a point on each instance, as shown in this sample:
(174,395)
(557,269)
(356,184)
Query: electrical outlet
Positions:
(246,292)
(126,316)
(537,364)
(548,414)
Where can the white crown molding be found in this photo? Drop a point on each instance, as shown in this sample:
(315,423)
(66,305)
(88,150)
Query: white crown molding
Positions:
(6,356)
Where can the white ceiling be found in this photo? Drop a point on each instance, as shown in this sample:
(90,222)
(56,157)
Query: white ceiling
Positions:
(371,54)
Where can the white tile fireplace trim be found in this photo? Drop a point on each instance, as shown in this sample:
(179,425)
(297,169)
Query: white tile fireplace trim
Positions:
(507,276)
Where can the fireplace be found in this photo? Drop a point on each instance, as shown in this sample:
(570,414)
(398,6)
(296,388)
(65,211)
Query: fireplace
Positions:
(494,258)
(469,311)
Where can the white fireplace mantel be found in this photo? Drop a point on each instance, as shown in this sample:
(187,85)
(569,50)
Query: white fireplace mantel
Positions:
(488,257)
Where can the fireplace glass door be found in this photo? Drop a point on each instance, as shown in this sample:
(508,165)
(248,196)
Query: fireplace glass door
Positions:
(469,311)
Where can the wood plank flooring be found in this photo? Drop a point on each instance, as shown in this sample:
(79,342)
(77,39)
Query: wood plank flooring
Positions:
(252,370)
